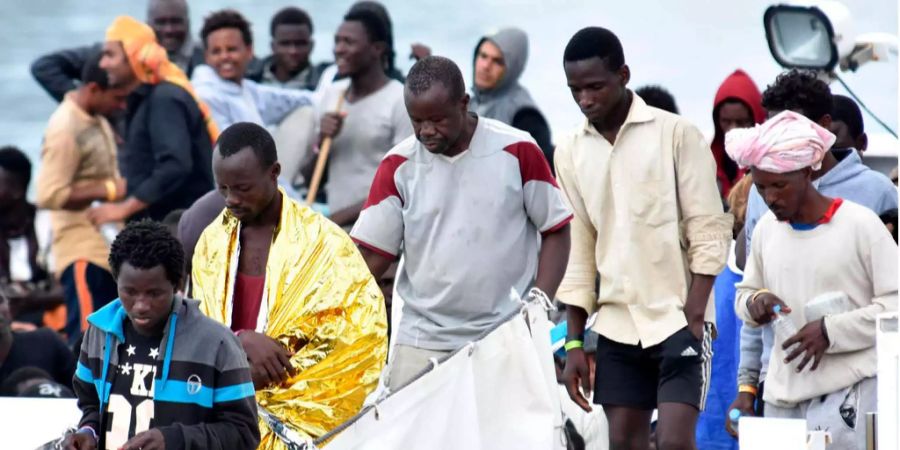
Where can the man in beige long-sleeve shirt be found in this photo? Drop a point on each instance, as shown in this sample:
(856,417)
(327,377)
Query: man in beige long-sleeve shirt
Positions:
(78,167)
(830,265)
(648,219)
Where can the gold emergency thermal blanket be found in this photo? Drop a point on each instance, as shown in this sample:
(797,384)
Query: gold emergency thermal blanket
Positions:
(322,303)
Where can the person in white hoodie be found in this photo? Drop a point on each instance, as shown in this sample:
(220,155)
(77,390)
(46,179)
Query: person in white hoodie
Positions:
(806,247)
(228,45)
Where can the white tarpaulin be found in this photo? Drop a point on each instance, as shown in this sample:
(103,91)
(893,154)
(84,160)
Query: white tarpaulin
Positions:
(27,423)
(497,393)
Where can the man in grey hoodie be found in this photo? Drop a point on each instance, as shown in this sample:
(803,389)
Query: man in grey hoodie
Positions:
(847,178)
(496,93)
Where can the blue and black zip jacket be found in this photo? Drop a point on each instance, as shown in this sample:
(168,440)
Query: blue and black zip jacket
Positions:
(203,393)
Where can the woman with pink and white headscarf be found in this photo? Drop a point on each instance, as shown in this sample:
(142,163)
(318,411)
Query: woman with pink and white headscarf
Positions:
(785,143)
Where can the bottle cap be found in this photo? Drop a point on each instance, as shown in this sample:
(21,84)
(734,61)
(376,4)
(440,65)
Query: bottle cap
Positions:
(777,309)
(734,414)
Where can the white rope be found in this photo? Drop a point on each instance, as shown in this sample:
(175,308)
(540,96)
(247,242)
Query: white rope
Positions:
(535,294)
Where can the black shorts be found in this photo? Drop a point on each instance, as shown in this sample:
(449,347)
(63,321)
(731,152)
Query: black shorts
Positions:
(674,371)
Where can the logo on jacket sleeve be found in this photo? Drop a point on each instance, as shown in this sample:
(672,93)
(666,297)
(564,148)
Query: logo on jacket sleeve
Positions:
(194,384)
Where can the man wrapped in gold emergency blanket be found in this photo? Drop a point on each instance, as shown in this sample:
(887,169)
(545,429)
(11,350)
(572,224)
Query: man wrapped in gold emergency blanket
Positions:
(319,301)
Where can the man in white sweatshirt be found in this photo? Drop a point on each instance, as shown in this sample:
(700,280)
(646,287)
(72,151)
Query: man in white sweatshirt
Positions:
(808,245)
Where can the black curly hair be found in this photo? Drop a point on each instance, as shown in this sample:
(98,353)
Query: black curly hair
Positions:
(800,91)
(436,69)
(384,32)
(226,18)
(14,161)
(290,16)
(847,111)
(376,29)
(145,245)
(241,135)
(596,42)
(658,97)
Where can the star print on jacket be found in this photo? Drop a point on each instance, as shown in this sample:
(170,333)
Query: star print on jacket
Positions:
(125,369)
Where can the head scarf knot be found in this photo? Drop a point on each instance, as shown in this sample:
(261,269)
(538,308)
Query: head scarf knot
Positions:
(151,64)
(785,143)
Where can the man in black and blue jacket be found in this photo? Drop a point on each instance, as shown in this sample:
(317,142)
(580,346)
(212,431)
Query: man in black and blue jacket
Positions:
(154,372)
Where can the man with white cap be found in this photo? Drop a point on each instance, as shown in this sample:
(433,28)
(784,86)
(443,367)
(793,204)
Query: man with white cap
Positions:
(806,246)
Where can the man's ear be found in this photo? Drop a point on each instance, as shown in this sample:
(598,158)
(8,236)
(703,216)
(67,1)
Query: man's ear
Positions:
(275,170)
(625,74)
(862,142)
(825,121)
(381,48)
(464,102)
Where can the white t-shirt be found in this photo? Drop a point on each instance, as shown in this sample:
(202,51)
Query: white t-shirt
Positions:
(19,264)
(373,125)
(20,269)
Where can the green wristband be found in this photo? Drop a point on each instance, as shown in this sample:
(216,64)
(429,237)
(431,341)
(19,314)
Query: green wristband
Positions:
(571,345)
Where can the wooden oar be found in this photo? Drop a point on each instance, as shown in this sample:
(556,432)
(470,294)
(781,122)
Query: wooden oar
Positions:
(323,158)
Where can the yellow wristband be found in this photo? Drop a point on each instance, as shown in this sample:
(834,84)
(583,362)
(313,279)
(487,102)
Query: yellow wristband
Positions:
(111,192)
(571,345)
(750,389)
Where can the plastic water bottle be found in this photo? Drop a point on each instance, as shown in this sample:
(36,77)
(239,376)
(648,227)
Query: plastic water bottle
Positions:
(733,417)
(784,329)
(108,230)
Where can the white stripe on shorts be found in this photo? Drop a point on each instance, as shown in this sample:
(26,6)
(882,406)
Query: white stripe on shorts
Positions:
(706,365)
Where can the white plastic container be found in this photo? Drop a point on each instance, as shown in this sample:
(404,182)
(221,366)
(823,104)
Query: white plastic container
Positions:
(887,343)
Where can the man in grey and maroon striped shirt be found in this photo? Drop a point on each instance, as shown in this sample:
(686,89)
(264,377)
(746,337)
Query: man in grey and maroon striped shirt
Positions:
(475,210)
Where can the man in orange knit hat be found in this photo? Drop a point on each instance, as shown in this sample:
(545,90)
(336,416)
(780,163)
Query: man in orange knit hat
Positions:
(169,131)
